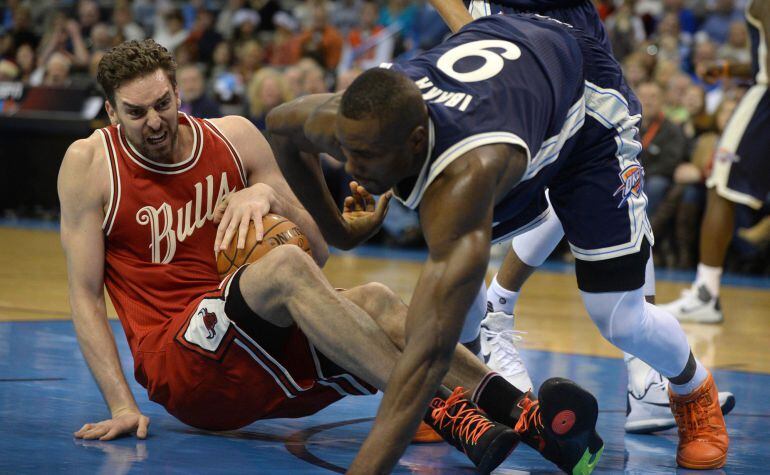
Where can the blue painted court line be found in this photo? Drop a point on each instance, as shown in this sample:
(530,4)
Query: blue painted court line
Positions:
(47,392)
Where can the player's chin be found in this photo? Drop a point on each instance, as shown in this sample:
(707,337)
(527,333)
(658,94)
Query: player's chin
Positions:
(373,187)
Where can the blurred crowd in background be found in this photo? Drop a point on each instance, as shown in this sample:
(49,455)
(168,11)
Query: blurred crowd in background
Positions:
(248,56)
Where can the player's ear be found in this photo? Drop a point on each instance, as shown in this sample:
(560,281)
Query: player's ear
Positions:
(417,139)
(111,113)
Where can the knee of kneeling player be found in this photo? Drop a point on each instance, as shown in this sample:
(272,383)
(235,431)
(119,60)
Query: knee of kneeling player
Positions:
(619,316)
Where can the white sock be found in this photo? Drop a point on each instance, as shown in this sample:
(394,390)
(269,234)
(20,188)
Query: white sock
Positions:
(502,299)
(709,276)
(700,375)
(474,316)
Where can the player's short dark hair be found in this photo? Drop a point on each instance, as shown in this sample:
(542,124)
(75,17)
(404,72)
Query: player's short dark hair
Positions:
(131,60)
(388,96)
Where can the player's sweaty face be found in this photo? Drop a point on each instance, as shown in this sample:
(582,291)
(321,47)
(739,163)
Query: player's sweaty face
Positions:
(147,110)
(375,164)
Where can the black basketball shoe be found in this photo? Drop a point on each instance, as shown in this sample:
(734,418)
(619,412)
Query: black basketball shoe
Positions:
(561,425)
(462,424)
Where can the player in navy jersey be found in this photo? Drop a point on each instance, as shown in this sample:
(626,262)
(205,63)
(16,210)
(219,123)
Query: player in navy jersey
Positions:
(495,336)
(471,133)
(740,175)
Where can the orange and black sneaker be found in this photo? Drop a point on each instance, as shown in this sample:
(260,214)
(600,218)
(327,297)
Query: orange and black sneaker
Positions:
(462,424)
(561,425)
(703,439)
(426,435)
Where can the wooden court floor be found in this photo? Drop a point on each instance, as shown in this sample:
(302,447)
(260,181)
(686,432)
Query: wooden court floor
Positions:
(33,286)
(47,392)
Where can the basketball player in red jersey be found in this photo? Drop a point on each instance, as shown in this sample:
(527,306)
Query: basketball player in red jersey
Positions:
(139,200)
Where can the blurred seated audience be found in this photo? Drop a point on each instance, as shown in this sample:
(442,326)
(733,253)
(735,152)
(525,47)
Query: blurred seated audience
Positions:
(192,91)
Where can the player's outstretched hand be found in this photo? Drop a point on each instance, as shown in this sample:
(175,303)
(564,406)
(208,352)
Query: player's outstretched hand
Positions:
(236,210)
(362,214)
(120,425)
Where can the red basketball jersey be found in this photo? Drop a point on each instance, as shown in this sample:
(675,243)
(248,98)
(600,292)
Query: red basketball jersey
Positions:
(159,234)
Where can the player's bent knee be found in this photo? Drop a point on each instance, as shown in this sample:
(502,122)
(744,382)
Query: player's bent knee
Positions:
(619,316)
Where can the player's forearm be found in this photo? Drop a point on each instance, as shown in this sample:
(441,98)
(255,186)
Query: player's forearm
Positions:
(453,12)
(435,318)
(305,177)
(97,343)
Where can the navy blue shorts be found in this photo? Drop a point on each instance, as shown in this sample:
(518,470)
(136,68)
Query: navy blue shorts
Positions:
(741,169)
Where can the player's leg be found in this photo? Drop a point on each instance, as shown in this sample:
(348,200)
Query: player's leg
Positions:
(296,291)
(610,238)
(739,176)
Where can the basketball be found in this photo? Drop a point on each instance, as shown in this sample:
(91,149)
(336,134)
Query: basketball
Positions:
(277,232)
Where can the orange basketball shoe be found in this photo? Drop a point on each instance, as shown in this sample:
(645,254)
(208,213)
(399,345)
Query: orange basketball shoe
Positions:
(703,439)
(426,435)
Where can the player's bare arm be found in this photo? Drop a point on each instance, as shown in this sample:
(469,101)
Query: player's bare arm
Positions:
(268,191)
(298,132)
(453,12)
(83,186)
(456,216)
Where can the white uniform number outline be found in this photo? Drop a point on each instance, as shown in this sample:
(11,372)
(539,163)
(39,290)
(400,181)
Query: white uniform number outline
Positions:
(493,61)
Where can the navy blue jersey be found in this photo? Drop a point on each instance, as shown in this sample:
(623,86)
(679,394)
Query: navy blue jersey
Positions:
(758,46)
(501,79)
(578,13)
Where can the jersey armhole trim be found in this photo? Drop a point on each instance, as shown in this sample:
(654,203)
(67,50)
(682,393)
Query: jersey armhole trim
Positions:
(464,146)
(114,172)
(233,151)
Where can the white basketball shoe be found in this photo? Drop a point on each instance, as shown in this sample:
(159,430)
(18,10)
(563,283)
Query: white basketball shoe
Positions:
(647,403)
(697,304)
(499,350)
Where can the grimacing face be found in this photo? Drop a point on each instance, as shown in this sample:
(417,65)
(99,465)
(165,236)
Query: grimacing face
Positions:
(146,108)
(370,160)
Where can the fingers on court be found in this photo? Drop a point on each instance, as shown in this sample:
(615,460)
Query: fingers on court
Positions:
(141,431)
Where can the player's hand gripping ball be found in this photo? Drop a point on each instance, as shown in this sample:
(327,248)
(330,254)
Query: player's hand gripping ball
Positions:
(278,231)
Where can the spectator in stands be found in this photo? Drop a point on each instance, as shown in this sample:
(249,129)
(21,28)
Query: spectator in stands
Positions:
(22,29)
(360,48)
(64,37)
(101,38)
(123,21)
(688,23)
(717,23)
(428,29)
(625,30)
(345,78)
(170,31)
(192,91)
(25,59)
(283,50)
(203,37)
(267,9)
(221,61)
(347,15)
(737,47)
(225,25)
(57,71)
(267,90)
(88,16)
(634,70)
(321,41)
(314,78)
(664,145)
(8,72)
(688,197)
(295,78)
(245,21)
(676,87)
(698,120)
(250,56)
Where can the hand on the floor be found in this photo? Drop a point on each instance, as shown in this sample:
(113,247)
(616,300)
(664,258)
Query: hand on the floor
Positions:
(118,426)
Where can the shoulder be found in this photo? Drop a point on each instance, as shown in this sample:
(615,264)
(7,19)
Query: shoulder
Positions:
(236,128)
(85,162)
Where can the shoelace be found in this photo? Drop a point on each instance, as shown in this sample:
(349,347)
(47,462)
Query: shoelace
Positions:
(530,415)
(467,422)
(506,351)
(695,415)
